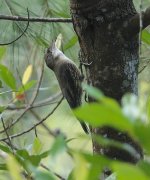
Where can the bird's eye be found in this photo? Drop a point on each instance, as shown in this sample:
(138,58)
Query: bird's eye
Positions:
(49,50)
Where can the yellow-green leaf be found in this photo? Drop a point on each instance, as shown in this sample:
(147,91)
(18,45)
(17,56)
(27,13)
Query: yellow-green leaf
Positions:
(98,115)
(71,42)
(14,168)
(128,171)
(2,52)
(146,36)
(58,41)
(81,170)
(1,84)
(27,74)
(37,146)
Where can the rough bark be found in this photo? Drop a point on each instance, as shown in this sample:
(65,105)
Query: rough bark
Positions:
(98,25)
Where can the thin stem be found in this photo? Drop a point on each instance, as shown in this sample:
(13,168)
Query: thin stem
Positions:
(141,27)
(8,137)
(28,107)
(50,132)
(35,19)
(33,127)
(132,27)
(57,175)
(11,42)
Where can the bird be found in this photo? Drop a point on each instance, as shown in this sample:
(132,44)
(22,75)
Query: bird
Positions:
(68,76)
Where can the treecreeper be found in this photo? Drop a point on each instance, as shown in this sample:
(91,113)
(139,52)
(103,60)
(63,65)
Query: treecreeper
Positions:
(68,76)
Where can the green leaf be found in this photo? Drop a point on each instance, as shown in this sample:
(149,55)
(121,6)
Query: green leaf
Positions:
(3,167)
(7,77)
(2,52)
(96,164)
(111,103)
(37,146)
(40,41)
(146,36)
(23,153)
(107,142)
(44,176)
(2,108)
(27,86)
(81,165)
(128,171)
(144,166)
(101,161)
(14,168)
(1,86)
(60,13)
(58,146)
(6,149)
(98,114)
(71,175)
(93,92)
(23,156)
(148,109)
(142,132)
(71,42)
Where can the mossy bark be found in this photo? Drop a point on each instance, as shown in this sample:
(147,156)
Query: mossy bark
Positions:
(114,68)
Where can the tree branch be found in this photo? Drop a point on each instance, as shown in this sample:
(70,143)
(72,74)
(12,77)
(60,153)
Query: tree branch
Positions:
(26,108)
(35,19)
(45,102)
(9,139)
(38,118)
(33,98)
(11,42)
(131,27)
(35,125)
(56,174)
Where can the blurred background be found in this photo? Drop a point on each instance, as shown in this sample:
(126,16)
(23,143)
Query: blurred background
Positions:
(25,58)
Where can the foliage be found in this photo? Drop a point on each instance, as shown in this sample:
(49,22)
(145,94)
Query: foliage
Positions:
(28,92)
(90,166)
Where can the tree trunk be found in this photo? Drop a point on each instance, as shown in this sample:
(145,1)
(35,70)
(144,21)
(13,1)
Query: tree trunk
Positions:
(114,57)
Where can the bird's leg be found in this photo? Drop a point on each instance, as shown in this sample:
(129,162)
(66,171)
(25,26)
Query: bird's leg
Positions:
(86,97)
(86,64)
(81,70)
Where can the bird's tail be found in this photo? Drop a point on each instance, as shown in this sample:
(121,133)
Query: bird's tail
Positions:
(85,127)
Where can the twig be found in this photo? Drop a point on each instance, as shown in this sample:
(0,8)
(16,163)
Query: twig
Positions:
(142,69)
(11,42)
(132,27)
(37,105)
(14,122)
(8,137)
(31,103)
(33,127)
(57,175)
(35,19)
(141,27)
(50,132)
(44,102)
(35,130)
(27,108)
(38,85)
(14,147)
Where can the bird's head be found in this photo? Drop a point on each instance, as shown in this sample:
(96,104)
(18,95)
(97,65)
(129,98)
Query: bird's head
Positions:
(51,56)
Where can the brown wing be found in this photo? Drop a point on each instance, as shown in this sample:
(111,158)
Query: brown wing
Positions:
(70,83)
(69,78)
